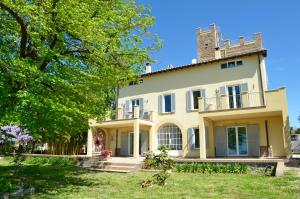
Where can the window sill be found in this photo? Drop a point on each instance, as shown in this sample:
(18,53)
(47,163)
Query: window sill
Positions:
(193,110)
(167,113)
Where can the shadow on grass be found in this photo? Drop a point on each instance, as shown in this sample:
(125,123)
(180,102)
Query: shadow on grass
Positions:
(48,179)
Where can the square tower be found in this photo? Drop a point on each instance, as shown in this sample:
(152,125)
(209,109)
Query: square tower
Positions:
(207,43)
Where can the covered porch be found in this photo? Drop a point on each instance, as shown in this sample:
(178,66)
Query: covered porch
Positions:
(123,138)
(246,133)
(257,131)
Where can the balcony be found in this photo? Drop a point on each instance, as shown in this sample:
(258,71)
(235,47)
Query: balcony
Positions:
(229,102)
(135,114)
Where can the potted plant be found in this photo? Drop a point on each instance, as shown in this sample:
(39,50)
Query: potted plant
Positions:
(106,154)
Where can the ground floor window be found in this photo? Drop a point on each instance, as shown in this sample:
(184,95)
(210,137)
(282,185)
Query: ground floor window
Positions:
(170,135)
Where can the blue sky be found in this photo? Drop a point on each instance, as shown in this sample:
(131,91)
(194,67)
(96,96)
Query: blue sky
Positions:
(279,22)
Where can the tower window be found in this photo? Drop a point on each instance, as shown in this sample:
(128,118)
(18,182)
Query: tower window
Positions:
(231,64)
(239,63)
(224,65)
(206,45)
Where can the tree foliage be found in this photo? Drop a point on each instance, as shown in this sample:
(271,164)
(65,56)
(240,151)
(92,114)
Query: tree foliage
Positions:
(61,60)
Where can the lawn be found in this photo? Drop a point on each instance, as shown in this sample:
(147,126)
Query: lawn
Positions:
(72,182)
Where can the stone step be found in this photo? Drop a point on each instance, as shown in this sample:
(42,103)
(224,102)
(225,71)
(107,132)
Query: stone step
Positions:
(121,167)
(111,165)
(110,170)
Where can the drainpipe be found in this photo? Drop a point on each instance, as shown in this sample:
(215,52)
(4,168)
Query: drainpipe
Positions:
(267,137)
(261,81)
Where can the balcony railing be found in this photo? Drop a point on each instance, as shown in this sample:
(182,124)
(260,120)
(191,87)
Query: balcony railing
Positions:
(136,113)
(226,102)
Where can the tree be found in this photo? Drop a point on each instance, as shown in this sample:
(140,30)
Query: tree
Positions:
(61,61)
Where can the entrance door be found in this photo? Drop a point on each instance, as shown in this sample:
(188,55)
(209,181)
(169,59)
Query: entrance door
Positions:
(235,98)
(237,141)
(143,143)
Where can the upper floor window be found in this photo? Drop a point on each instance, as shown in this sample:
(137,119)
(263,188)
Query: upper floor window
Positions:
(135,102)
(166,103)
(192,98)
(232,64)
(196,95)
(132,83)
(130,104)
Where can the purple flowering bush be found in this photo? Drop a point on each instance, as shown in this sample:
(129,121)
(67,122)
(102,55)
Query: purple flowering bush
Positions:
(13,138)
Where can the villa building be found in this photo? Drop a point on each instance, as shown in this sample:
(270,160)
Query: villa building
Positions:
(218,106)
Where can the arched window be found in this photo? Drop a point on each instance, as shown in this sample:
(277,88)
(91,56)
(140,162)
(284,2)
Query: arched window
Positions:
(170,135)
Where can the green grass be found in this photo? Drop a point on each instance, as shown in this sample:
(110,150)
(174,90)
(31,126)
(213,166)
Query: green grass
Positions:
(72,182)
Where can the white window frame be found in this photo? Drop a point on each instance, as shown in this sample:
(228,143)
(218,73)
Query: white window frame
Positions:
(163,102)
(236,139)
(239,61)
(192,100)
(234,95)
(179,133)
(131,100)
(235,64)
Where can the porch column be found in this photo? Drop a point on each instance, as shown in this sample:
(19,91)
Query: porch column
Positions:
(89,145)
(151,138)
(202,138)
(136,138)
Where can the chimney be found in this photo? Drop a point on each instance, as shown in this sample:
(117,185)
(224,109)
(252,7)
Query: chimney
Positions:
(242,40)
(258,39)
(170,66)
(226,43)
(148,68)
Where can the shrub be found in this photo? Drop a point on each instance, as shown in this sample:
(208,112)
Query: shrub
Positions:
(149,160)
(161,161)
(51,161)
(5,186)
(211,168)
(161,177)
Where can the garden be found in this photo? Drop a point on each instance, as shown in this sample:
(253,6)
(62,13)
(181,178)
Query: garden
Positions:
(60,178)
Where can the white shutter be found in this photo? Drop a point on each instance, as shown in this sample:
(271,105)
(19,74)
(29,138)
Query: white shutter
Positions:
(203,95)
(191,138)
(244,88)
(189,100)
(141,106)
(173,102)
(222,91)
(202,91)
(160,104)
(128,106)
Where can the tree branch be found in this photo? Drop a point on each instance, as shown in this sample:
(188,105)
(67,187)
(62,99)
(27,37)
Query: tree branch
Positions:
(23,24)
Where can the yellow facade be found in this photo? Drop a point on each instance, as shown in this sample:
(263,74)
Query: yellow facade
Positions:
(263,108)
